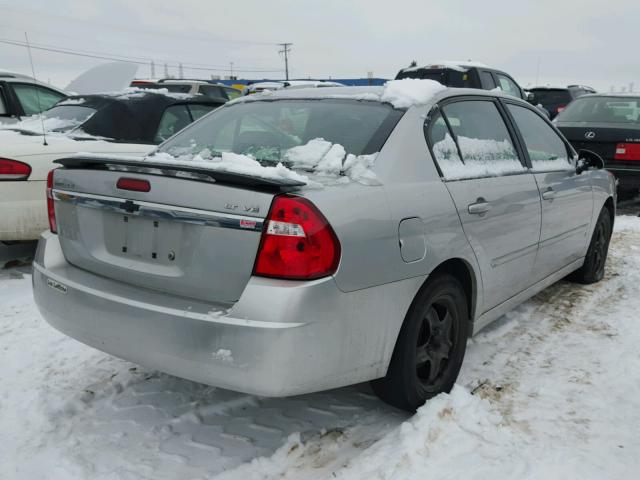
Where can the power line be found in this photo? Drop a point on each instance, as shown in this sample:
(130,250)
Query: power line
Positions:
(286,50)
(128,59)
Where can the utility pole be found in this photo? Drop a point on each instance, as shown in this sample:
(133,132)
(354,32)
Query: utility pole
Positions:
(180,70)
(286,49)
(231,71)
(153,69)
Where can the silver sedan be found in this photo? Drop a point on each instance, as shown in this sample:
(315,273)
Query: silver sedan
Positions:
(298,241)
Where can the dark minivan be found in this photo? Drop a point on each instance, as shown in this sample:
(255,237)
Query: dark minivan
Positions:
(556,99)
(465,75)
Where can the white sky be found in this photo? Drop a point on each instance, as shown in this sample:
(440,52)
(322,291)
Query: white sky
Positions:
(584,41)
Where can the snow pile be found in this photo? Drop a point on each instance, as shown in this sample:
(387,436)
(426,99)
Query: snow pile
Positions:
(483,158)
(34,124)
(403,93)
(137,92)
(229,162)
(326,164)
(72,101)
(410,91)
(550,391)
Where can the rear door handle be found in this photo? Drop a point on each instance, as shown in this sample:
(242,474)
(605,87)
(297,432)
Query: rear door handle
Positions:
(549,194)
(479,208)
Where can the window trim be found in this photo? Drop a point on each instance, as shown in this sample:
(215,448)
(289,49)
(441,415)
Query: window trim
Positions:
(572,154)
(5,104)
(515,140)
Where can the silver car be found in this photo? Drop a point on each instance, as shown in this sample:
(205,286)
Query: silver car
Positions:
(461,208)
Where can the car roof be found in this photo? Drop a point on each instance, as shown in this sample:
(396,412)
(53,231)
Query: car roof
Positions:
(368,93)
(136,112)
(14,77)
(461,66)
(557,87)
(613,95)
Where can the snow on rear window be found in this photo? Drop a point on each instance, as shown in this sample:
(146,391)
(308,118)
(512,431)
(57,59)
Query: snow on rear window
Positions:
(322,162)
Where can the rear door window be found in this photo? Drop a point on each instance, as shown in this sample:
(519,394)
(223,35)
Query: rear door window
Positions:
(213,91)
(35,99)
(488,82)
(198,110)
(174,119)
(484,145)
(508,86)
(546,149)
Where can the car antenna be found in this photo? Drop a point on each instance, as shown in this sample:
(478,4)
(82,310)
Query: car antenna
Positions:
(33,72)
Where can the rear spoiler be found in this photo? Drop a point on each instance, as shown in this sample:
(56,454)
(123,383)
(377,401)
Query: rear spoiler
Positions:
(180,171)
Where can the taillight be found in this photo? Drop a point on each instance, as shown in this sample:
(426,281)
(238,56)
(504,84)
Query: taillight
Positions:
(13,170)
(560,108)
(627,151)
(297,242)
(133,184)
(51,212)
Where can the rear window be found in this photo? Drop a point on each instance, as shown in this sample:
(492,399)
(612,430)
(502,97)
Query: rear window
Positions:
(267,130)
(172,88)
(448,77)
(547,97)
(65,118)
(602,110)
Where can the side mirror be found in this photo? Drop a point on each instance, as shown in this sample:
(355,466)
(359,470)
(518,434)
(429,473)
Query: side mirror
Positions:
(531,98)
(588,159)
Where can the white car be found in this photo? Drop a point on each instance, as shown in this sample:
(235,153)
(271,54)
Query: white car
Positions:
(130,123)
(22,96)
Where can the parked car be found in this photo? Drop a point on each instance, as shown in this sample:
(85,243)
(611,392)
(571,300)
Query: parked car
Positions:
(258,87)
(242,273)
(127,123)
(556,99)
(22,96)
(192,87)
(465,75)
(608,124)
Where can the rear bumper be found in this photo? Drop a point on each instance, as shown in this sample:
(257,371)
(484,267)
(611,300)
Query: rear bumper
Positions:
(281,338)
(628,177)
(23,210)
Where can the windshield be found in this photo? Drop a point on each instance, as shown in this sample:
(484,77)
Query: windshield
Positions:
(62,118)
(602,110)
(270,131)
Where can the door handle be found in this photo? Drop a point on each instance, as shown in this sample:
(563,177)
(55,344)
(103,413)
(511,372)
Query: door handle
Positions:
(549,194)
(479,208)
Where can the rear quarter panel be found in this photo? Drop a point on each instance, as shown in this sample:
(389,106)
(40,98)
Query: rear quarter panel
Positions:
(366,218)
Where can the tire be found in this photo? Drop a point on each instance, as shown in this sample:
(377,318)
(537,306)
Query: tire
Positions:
(592,270)
(430,347)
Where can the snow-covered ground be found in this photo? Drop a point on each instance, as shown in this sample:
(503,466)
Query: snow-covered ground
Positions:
(552,391)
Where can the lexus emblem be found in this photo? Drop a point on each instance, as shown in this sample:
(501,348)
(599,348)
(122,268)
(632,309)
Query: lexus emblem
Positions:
(590,135)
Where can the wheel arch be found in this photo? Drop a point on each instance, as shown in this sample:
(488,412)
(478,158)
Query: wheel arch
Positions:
(610,205)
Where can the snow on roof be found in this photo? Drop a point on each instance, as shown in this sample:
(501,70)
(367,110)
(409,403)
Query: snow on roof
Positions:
(461,66)
(399,93)
(134,92)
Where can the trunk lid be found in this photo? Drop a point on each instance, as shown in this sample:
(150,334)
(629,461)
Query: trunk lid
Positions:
(193,237)
(600,138)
